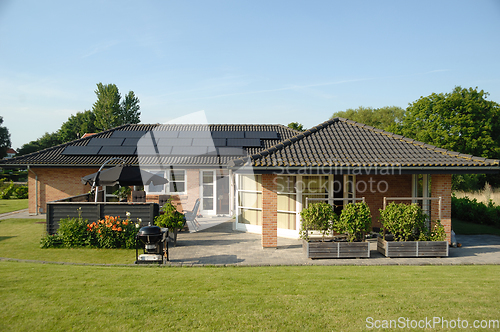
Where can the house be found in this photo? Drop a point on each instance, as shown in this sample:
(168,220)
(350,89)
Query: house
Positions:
(264,175)
(10,153)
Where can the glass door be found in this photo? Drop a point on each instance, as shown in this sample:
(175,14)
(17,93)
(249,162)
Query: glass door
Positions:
(207,188)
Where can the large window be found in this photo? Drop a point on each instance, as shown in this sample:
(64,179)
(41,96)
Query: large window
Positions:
(315,188)
(287,202)
(176,182)
(250,199)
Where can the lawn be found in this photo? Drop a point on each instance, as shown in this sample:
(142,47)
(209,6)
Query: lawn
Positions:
(466,228)
(48,297)
(9,205)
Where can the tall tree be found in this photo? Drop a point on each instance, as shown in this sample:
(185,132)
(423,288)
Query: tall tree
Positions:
(46,141)
(462,121)
(382,118)
(4,139)
(77,125)
(108,110)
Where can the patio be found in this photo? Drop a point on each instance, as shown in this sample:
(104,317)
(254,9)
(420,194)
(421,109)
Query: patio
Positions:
(220,245)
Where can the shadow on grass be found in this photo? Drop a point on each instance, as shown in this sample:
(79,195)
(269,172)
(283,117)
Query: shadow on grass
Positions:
(6,237)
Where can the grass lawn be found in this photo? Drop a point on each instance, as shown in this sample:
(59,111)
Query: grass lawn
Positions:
(49,297)
(466,228)
(9,205)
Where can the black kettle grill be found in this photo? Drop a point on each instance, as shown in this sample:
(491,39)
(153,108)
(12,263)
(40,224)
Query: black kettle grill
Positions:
(153,240)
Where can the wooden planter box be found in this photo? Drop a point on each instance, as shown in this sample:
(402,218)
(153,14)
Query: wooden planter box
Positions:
(318,249)
(412,248)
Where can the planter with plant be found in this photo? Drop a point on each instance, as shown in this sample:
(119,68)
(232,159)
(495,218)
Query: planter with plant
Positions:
(405,233)
(171,218)
(123,193)
(352,224)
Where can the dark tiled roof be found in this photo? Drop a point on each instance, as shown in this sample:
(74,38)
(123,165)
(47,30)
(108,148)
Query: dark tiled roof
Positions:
(230,141)
(344,143)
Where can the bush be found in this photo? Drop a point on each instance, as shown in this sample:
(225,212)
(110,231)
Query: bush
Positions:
(476,212)
(21,192)
(355,220)
(111,232)
(318,217)
(171,218)
(404,221)
(8,191)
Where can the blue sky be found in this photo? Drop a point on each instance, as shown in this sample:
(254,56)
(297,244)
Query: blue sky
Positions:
(239,61)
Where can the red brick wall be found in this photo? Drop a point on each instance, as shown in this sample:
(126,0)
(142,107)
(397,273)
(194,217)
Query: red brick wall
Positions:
(54,184)
(441,187)
(269,211)
(375,187)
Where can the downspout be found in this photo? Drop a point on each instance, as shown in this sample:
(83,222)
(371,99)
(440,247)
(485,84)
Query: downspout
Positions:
(36,190)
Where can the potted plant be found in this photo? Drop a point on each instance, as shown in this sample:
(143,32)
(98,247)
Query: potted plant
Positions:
(320,217)
(123,193)
(171,219)
(409,235)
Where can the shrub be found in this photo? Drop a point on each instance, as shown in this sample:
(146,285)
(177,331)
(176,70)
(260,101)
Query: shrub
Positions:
(171,218)
(404,221)
(470,210)
(51,241)
(21,192)
(437,233)
(318,217)
(355,220)
(73,232)
(8,191)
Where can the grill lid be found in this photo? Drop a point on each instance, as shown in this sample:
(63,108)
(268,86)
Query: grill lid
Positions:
(149,230)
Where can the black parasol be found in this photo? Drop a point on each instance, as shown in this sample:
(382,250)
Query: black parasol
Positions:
(124,176)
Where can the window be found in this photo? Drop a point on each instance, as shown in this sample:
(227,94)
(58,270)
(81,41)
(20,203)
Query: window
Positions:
(250,199)
(287,202)
(176,182)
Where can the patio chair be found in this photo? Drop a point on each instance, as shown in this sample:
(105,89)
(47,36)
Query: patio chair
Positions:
(139,196)
(191,215)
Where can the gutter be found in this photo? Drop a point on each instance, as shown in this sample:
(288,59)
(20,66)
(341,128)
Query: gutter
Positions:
(36,190)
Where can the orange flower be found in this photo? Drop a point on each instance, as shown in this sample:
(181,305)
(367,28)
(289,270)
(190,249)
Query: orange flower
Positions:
(119,229)
(125,223)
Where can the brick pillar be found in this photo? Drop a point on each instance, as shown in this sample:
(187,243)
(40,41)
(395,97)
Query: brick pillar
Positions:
(269,211)
(441,187)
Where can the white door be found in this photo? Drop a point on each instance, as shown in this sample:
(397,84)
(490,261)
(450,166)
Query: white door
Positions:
(207,192)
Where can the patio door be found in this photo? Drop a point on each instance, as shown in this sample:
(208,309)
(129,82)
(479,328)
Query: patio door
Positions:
(207,192)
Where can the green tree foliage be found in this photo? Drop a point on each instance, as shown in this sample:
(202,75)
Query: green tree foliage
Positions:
(44,142)
(77,125)
(110,112)
(4,139)
(462,121)
(296,126)
(382,118)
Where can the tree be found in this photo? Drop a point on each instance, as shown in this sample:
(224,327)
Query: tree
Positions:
(108,110)
(382,118)
(462,121)
(296,126)
(44,142)
(4,139)
(77,125)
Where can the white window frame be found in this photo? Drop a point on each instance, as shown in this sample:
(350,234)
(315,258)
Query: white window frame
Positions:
(166,187)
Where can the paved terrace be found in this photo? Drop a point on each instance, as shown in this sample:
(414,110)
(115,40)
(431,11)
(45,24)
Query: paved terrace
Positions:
(216,243)
(221,245)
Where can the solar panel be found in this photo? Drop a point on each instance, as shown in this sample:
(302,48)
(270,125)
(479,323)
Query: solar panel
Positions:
(152,150)
(205,141)
(189,150)
(195,134)
(247,142)
(175,141)
(165,134)
(118,150)
(131,141)
(228,134)
(231,152)
(127,133)
(81,150)
(261,134)
(106,141)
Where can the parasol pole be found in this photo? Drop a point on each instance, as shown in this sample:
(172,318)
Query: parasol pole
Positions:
(99,171)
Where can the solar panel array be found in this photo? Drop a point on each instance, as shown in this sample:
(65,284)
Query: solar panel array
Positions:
(183,143)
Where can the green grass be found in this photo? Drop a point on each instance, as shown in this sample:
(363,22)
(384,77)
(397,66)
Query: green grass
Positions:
(9,205)
(467,228)
(20,238)
(47,297)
